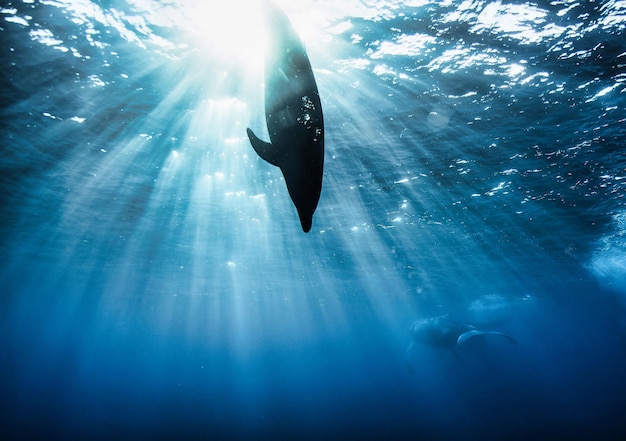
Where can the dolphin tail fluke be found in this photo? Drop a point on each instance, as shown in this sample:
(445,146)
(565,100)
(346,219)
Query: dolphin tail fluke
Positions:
(474,333)
(263,149)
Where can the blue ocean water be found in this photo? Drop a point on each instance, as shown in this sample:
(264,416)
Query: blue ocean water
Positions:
(155,280)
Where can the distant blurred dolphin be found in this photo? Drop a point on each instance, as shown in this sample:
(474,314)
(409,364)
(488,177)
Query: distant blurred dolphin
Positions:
(293,114)
(445,332)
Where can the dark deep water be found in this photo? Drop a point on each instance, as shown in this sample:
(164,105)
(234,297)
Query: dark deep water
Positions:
(155,280)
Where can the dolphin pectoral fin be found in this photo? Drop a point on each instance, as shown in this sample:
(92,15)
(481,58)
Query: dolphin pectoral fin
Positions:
(264,149)
(474,333)
(467,335)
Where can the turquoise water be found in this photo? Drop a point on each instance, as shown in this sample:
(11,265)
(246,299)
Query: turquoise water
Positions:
(156,282)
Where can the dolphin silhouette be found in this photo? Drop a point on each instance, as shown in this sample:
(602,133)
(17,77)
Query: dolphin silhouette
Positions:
(293,114)
(444,332)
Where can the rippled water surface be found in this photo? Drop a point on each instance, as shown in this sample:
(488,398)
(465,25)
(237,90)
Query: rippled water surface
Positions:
(155,279)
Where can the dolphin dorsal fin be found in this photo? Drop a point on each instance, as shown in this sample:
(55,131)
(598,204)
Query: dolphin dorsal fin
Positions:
(473,333)
(264,149)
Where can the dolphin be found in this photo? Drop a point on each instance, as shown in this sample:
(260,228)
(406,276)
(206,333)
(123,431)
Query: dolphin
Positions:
(293,114)
(444,332)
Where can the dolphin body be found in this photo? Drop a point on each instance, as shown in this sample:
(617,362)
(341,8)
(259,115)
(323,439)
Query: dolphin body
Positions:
(293,114)
(445,332)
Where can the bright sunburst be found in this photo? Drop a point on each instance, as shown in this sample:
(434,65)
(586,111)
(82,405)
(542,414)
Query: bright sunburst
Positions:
(227,32)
